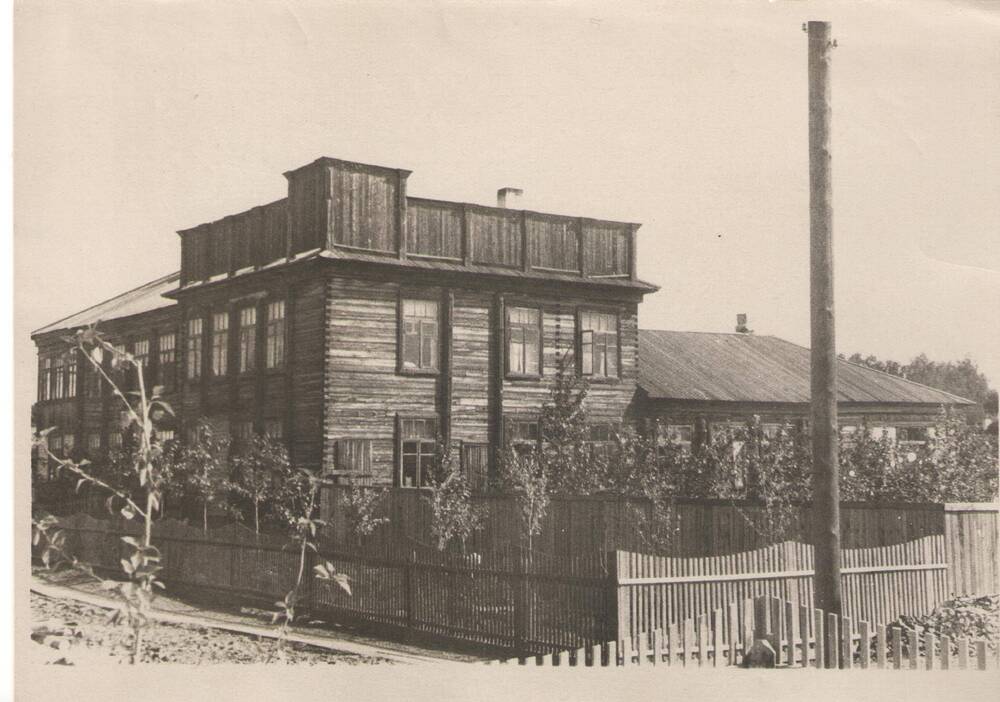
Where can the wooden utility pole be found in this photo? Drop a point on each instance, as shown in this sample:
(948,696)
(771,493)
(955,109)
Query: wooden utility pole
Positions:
(826,485)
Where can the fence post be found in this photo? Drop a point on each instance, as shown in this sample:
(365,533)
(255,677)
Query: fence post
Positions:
(617,624)
(522,603)
(409,587)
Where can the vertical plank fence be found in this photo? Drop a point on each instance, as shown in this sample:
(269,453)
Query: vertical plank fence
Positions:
(778,634)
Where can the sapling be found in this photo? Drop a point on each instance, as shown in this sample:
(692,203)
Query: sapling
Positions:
(453,515)
(297,507)
(141,566)
(259,469)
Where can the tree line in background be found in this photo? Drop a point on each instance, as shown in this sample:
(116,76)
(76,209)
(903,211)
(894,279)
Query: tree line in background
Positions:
(962,378)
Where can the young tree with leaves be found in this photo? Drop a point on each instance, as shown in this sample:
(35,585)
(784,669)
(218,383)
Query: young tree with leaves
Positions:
(142,565)
(205,465)
(454,517)
(259,468)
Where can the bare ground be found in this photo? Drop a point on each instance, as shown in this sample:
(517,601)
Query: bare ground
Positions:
(71,632)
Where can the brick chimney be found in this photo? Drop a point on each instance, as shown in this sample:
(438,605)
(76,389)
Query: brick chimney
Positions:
(502,194)
(741,324)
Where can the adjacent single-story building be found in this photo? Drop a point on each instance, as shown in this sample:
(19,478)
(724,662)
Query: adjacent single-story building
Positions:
(726,378)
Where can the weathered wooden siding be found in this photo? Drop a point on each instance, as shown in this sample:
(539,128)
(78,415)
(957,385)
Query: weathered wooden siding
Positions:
(364,209)
(972,532)
(606,400)
(292,394)
(470,371)
(309,200)
(605,248)
(495,236)
(553,242)
(434,228)
(306,311)
(363,390)
(238,242)
(274,231)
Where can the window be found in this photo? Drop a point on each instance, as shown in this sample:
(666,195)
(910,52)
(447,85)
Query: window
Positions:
(419,335)
(194,332)
(140,350)
(602,440)
(242,432)
(681,435)
(115,441)
(93,442)
(524,346)
(523,435)
(68,442)
(879,433)
(911,435)
(57,371)
(166,347)
(248,338)
(273,429)
(599,344)
(849,435)
(220,343)
(71,374)
(418,452)
(275,351)
(45,380)
(165,435)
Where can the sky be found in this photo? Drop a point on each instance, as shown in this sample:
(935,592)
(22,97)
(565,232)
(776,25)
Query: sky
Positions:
(134,120)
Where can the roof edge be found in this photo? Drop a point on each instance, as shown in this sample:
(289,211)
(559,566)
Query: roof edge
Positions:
(47,330)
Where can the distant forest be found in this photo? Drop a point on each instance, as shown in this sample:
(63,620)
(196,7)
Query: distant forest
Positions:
(962,378)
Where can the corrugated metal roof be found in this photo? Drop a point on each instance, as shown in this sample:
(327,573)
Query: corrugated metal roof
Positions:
(142,299)
(749,368)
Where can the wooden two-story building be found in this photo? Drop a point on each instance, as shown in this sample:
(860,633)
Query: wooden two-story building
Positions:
(363,325)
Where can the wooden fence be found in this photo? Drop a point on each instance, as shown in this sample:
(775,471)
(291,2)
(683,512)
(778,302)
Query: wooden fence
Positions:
(879,584)
(513,599)
(518,599)
(972,544)
(584,525)
(795,636)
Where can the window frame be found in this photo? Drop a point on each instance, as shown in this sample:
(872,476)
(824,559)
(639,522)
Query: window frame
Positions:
(194,358)
(617,313)
(45,378)
(164,367)
(72,369)
(247,340)
(509,420)
(219,351)
(58,373)
(401,367)
(275,345)
(514,375)
(400,444)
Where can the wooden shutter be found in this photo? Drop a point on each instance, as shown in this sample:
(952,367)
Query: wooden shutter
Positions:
(353,458)
(476,465)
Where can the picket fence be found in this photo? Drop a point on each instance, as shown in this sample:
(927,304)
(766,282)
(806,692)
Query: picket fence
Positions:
(879,584)
(511,599)
(796,636)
